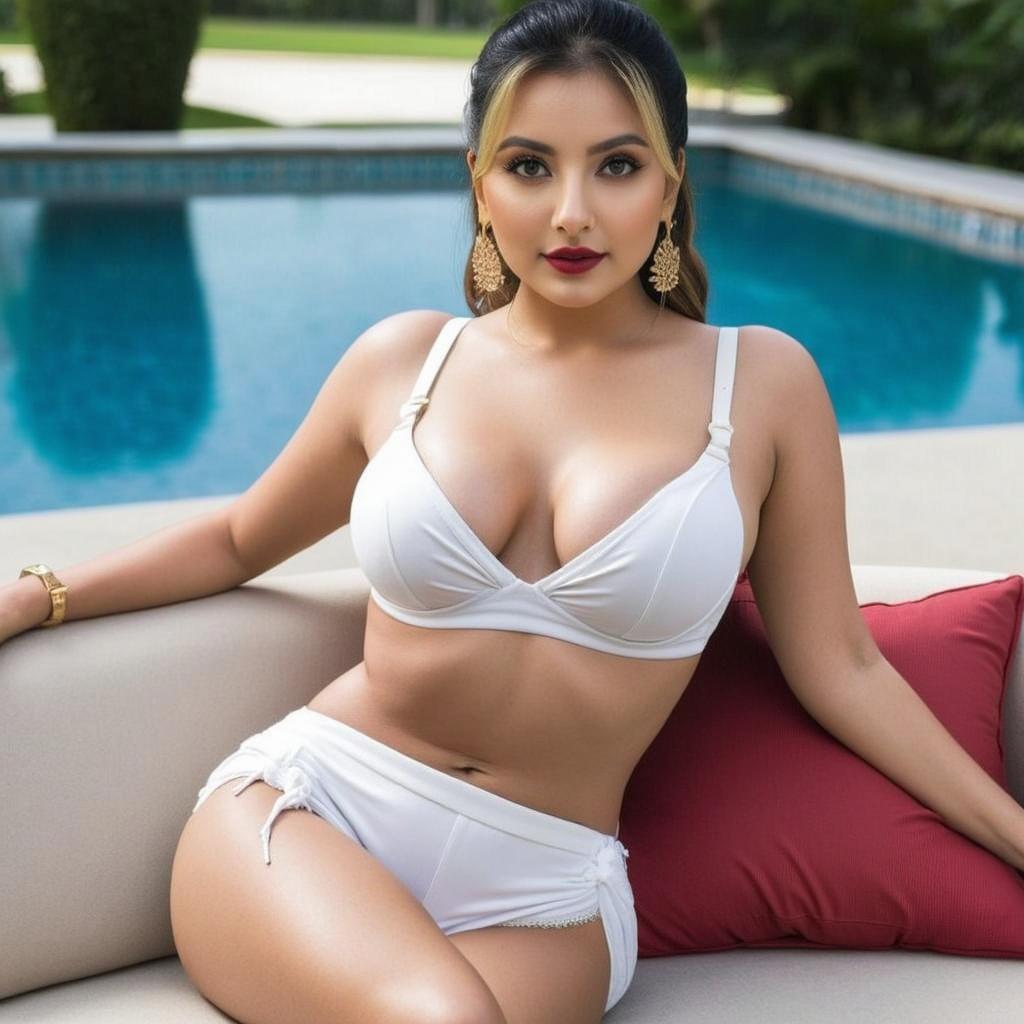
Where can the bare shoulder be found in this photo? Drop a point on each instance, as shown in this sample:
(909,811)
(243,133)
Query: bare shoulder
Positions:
(780,377)
(388,356)
(776,353)
(400,336)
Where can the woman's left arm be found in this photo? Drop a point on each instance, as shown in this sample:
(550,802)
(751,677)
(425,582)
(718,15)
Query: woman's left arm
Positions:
(802,581)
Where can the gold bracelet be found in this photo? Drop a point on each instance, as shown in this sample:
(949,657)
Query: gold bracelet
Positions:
(58,592)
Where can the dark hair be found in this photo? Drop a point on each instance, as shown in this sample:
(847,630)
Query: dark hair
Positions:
(571,36)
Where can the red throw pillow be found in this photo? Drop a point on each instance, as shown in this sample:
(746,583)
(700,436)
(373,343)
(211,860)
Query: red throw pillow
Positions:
(750,825)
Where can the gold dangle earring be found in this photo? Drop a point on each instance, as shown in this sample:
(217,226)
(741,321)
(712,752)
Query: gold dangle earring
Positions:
(665,269)
(487,275)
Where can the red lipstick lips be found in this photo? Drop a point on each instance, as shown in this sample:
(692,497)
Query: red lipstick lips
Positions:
(573,259)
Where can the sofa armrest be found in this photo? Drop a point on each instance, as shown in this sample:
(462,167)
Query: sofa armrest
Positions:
(111,726)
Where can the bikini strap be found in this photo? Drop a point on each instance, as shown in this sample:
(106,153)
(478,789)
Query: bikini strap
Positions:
(720,428)
(420,394)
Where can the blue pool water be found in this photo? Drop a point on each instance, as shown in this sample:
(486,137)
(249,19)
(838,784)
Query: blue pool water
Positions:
(169,349)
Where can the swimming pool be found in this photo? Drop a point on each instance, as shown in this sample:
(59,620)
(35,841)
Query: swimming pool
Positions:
(160,348)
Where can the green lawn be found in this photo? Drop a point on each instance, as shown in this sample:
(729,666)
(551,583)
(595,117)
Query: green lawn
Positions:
(323,37)
(374,39)
(334,37)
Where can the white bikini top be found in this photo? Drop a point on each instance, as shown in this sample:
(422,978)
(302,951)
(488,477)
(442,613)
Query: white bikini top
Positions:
(655,586)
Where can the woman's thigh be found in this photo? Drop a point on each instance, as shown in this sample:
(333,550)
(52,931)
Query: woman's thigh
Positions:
(542,975)
(323,933)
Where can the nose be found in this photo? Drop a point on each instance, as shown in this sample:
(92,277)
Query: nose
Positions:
(572,213)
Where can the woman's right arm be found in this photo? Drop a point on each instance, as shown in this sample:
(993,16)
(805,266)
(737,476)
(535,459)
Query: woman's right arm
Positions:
(304,495)
(185,560)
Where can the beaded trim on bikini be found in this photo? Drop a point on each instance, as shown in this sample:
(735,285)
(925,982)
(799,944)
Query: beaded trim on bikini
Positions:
(564,923)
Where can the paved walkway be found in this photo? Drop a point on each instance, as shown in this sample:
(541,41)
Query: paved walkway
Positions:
(299,90)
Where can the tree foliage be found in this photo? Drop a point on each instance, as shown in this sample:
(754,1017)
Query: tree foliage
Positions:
(944,77)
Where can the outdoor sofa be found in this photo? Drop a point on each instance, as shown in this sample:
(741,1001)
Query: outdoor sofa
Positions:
(111,725)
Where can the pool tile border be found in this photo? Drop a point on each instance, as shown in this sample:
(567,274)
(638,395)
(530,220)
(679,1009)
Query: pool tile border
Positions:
(972,209)
(992,235)
(128,177)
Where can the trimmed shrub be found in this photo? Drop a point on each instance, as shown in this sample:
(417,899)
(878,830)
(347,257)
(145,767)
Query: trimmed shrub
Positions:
(114,65)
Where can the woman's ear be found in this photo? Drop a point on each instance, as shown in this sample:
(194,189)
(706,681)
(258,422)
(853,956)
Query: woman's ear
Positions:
(672,188)
(478,189)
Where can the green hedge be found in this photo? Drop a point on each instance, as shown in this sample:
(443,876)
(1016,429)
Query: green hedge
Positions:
(114,65)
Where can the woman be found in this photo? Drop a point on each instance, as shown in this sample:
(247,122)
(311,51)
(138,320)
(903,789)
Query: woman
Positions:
(550,543)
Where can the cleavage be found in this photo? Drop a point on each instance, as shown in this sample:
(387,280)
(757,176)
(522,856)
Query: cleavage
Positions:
(589,502)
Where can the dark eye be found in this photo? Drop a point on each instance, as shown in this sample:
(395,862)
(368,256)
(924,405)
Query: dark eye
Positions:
(519,161)
(621,159)
(618,158)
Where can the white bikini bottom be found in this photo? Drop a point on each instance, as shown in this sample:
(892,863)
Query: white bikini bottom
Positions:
(471,857)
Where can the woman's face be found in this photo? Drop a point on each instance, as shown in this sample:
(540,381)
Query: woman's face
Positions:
(556,193)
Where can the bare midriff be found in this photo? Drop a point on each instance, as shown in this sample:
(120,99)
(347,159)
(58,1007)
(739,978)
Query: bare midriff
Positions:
(537,720)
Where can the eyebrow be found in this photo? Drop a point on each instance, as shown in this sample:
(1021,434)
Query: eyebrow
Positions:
(598,147)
